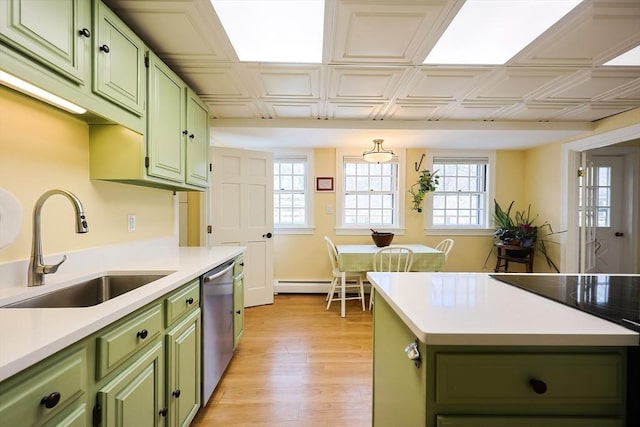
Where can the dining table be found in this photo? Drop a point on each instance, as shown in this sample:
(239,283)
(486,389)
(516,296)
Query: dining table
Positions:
(359,259)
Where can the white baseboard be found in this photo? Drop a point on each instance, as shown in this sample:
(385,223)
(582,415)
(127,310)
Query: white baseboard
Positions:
(303,286)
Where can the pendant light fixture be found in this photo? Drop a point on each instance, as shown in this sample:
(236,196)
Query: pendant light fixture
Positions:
(377,154)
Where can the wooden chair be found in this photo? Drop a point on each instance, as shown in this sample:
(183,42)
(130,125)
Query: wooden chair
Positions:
(445,246)
(391,259)
(336,280)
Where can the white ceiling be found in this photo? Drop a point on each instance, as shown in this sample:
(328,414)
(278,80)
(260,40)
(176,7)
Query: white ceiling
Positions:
(372,83)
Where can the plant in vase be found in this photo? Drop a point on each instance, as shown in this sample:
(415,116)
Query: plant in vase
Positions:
(427,182)
(519,231)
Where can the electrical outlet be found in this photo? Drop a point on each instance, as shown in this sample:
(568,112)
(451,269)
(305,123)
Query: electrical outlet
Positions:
(329,209)
(131,222)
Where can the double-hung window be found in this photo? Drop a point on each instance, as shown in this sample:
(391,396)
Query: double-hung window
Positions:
(292,198)
(369,195)
(462,198)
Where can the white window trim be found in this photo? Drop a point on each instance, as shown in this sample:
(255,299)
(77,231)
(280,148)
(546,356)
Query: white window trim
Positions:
(309,227)
(457,230)
(341,230)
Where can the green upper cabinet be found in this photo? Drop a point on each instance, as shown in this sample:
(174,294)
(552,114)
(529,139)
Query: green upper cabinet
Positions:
(177,129)
(166,122)
(118,71)
(197,141)
(56,33)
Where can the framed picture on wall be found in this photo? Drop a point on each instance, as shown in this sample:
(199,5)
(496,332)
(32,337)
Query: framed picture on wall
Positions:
(324,183)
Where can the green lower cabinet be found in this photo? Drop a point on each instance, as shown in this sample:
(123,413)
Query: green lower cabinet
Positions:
(238,308)
(135,396)
(44,391)
(183,371)
(455,421)
(73,417)
(492,386)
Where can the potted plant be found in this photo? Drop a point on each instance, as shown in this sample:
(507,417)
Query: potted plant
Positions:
(520,231)
(427,182)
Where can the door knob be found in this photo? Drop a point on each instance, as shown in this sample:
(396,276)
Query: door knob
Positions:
(267,235)
(619,234)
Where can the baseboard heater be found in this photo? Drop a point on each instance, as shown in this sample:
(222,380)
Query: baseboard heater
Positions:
(304,286)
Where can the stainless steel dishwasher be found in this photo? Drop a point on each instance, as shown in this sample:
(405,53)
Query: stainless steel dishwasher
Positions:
(217,326)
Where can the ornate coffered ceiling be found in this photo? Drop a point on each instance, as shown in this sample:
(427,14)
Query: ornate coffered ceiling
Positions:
(372,82)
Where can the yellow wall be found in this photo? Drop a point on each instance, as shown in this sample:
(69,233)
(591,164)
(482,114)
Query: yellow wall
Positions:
(305,257)
(43,148)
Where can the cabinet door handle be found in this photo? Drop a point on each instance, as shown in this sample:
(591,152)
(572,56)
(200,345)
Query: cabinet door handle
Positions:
(192,136)
(105,48)
(238,312)
(85,32)
(142,334)
(163,412)
(185,132)
(176,393)
(538,386)
(189,300)
(51,400)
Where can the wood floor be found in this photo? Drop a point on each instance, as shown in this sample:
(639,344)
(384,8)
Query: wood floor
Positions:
(297,365)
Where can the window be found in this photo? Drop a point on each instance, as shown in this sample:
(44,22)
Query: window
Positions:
(291,193)
(461,200)
(368,194)
(603,193)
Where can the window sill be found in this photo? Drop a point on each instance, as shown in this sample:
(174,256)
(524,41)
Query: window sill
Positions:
(293,230)
(459,231)
(367,231)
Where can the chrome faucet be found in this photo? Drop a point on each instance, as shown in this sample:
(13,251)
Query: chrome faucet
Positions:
(37,268)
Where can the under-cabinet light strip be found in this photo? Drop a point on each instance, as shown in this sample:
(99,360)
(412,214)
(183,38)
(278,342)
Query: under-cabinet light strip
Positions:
(36,92)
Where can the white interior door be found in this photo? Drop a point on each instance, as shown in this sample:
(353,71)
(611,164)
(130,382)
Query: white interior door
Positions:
(587,217)
(611,233)
(241,206)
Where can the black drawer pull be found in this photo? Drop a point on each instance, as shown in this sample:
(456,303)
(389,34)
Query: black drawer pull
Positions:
(189,300)
(142,334)
(538,386)
(104,48)
(85,32)
(192,136)
(176,393)
(51,400)
(238,312)
(163,412)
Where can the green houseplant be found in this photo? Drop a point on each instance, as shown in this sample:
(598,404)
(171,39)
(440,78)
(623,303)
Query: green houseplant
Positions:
(427,182)
(520,230)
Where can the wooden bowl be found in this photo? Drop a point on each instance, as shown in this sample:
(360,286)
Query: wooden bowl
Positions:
(382,239)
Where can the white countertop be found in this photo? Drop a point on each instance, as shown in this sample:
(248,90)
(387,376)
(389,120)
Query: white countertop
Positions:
(28,335)
(474,309)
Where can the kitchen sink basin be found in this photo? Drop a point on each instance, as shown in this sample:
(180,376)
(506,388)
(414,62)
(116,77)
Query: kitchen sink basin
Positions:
(89,292)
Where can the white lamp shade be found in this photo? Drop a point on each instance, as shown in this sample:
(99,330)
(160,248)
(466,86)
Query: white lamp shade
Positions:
(377,154)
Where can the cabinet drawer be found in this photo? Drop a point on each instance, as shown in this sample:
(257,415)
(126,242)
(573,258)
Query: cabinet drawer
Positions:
(22,399)
(471,421)
(181,301)
(238,266)
(506,379)
(116,345)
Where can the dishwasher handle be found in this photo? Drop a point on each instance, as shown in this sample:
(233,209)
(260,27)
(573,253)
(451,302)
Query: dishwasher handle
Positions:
(215,273)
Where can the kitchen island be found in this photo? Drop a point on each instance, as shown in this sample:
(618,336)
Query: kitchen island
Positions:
(489,354)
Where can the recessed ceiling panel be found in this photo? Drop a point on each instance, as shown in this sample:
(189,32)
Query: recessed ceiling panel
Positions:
(443,84)
(364,83)
(518,83)
(594,85)
(592,112)
(412,111)
(475,111)
(287,81)
(219,82)
(177,29)
(376,32)
(298,110)
(597,32)
(232,110)
(353,110)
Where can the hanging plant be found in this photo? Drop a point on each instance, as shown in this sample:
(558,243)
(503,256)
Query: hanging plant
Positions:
(427,182)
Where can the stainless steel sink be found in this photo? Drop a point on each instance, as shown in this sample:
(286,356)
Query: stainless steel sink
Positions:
(89,292)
